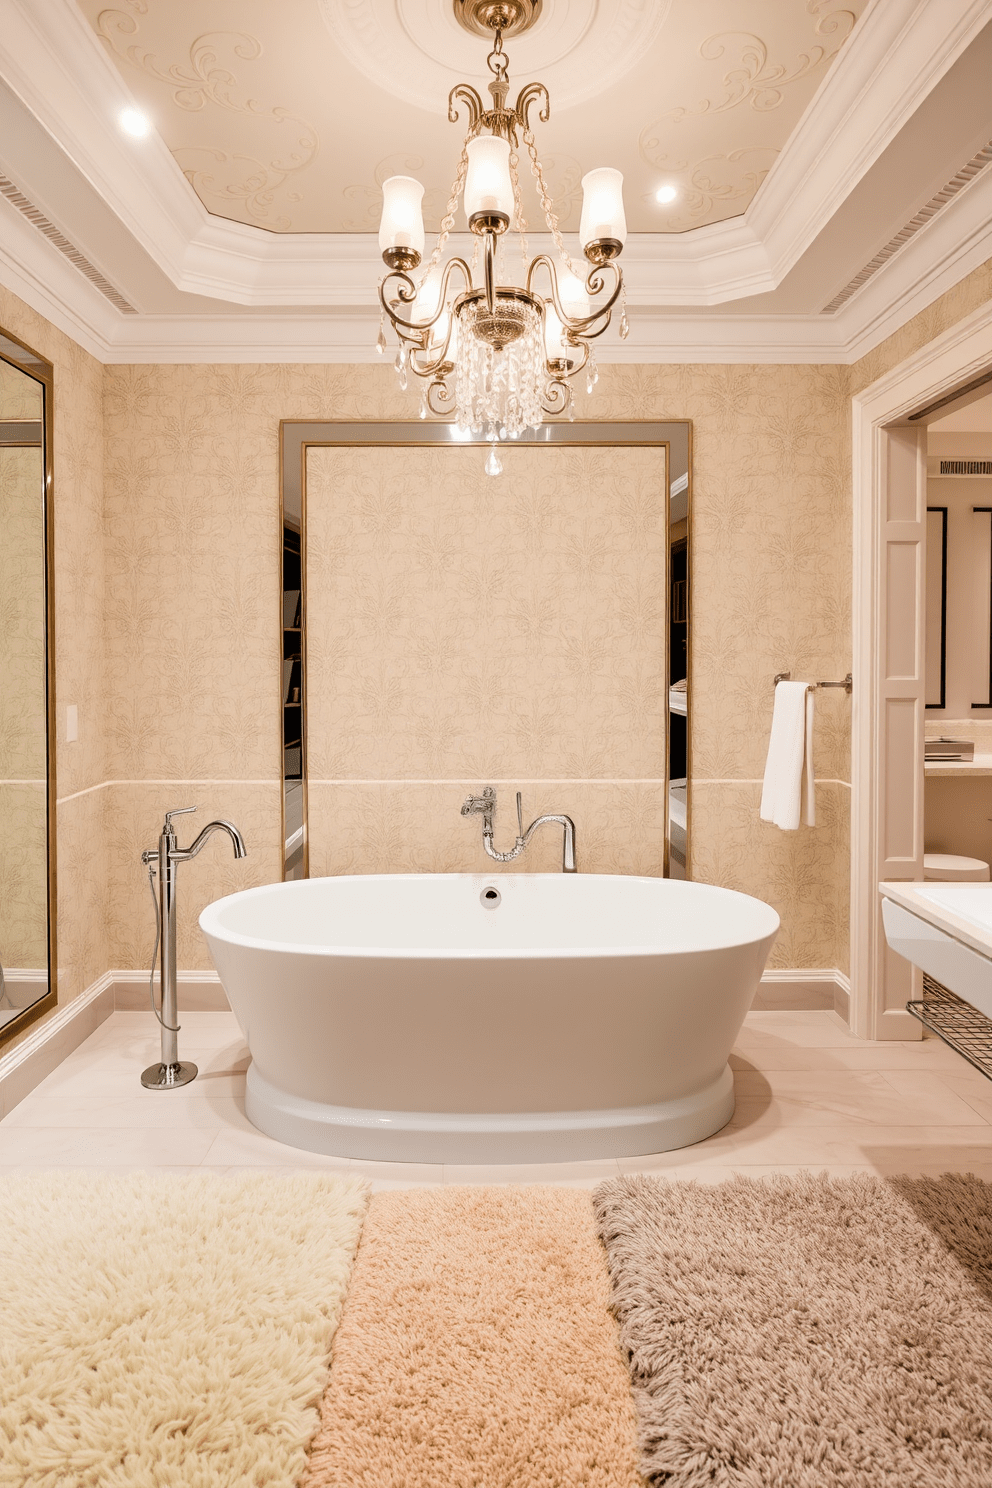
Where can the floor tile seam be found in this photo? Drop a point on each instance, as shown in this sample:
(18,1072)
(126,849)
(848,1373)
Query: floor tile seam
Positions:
(938,1076)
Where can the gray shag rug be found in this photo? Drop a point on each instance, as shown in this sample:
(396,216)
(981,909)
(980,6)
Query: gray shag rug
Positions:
(806,1332)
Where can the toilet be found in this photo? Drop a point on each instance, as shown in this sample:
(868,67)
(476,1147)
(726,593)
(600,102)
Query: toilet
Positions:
(949,868)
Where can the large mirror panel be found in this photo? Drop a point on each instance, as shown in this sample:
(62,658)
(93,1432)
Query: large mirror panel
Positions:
(27,980)
(459,631)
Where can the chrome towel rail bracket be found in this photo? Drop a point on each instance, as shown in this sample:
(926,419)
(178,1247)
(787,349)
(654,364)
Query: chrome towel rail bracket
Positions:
(847,683)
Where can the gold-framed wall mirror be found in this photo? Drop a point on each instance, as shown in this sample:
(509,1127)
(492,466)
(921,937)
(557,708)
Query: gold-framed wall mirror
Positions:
(445,630)
(28,958)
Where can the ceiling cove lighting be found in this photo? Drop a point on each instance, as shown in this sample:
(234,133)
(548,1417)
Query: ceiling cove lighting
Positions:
(499,356)
(134,122)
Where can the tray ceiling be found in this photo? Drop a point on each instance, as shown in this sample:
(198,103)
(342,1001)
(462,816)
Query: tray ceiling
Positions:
(289,117)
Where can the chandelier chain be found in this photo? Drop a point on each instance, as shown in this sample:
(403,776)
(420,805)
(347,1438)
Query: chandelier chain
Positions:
(448,220)
(519,220)
(548,204)
(498,57)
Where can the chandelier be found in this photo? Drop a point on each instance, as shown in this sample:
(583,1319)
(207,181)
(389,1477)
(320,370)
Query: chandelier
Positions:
(498,355)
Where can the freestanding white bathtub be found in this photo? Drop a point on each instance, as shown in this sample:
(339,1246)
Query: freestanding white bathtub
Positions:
(462,1018)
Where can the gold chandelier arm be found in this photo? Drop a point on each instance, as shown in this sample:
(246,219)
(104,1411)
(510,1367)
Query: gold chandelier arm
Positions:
(526,98)
(579,325)
(557,396)
(407,294)
(436,356)
(440,399)
(466,94)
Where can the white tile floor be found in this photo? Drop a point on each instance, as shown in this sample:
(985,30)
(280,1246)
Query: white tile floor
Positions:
(808,1096)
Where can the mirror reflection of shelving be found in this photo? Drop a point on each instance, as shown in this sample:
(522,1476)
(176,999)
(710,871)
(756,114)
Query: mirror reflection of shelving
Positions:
(292,697)
(678,666)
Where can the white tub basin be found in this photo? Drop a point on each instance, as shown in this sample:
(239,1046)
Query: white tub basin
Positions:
(397,1017)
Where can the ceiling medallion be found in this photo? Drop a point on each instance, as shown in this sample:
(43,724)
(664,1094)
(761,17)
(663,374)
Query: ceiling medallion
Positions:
(499,356)
(483,17)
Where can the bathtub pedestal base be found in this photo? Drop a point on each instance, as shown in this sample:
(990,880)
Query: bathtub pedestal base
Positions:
(487,1137)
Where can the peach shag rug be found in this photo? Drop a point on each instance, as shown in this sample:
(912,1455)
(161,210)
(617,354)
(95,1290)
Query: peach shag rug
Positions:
(168,1332)
(806,1332)
(477,1349)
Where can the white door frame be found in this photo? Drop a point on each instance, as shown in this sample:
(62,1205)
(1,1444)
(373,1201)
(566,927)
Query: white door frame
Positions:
(889,475)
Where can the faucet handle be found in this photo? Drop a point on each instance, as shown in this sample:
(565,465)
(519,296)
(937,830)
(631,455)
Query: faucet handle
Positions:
(481,805)
(179,811)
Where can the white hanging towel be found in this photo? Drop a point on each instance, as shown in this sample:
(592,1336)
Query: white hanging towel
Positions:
(788,793)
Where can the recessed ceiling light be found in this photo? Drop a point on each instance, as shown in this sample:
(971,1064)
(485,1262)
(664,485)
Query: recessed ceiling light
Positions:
(132,121)
(665,194)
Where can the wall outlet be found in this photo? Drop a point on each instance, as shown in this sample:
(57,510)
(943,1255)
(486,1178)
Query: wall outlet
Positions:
(71,723)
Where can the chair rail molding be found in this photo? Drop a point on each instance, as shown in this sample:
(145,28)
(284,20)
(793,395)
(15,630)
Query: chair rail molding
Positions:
(887,769)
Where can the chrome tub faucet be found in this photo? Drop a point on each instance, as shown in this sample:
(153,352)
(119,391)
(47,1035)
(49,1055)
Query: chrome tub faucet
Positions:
(485,805)
(164,860)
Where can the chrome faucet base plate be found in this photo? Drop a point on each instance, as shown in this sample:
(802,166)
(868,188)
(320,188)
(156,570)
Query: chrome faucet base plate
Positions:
(168,1076)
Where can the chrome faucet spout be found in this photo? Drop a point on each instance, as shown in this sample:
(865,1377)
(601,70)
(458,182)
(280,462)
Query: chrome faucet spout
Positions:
(183,855)
(568,840)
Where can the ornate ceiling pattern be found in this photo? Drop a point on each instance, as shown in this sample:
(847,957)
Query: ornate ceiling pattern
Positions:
(289,118)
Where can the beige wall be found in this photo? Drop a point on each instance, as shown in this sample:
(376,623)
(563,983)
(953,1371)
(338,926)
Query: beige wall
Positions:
(193,647)
(464,630)
(79,632)
(167,585)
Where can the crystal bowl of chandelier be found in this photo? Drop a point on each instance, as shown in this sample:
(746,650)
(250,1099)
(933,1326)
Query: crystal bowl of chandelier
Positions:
(498,355)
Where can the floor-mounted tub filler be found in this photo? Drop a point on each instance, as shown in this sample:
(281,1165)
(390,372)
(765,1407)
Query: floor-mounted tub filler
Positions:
(459,1018)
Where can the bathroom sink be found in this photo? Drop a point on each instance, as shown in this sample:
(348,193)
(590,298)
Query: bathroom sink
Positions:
(946,930)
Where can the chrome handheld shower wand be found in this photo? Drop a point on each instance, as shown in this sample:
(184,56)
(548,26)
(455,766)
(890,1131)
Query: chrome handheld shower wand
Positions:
(170,1072)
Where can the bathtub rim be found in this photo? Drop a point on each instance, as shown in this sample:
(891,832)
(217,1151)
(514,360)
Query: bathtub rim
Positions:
(210,925)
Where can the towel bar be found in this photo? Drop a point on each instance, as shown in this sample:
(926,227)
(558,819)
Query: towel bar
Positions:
(847,683)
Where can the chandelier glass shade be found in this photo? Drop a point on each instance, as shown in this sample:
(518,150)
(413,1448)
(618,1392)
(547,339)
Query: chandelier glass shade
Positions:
(499,356)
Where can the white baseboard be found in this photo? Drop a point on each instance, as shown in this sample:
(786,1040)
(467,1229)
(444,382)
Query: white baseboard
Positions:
(199,991)
(52,1040)
(786,989)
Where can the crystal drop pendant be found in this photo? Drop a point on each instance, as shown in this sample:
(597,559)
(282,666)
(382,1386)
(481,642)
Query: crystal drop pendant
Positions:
(494,466)
(403,379)
(423,404)
(380,344)
(624,327)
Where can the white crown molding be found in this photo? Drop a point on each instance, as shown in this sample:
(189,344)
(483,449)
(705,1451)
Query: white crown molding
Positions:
(899,52)
(948,248)
(53,60)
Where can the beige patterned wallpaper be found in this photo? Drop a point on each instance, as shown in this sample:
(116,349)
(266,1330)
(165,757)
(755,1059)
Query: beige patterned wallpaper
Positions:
(463,631)
(192,476)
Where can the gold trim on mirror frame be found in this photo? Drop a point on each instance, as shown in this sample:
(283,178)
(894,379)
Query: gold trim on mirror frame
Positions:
(675,435)
(18,354)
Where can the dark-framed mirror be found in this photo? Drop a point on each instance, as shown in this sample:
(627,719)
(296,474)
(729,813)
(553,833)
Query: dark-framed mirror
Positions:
(28,959)
(444,630)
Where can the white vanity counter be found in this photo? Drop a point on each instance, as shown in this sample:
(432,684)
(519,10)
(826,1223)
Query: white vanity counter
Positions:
(948,769)
(946,930)
(963,910)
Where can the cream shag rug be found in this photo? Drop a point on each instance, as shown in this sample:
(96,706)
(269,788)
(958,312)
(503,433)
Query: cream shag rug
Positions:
(168,1332)
(477,1349)
(806,1332)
